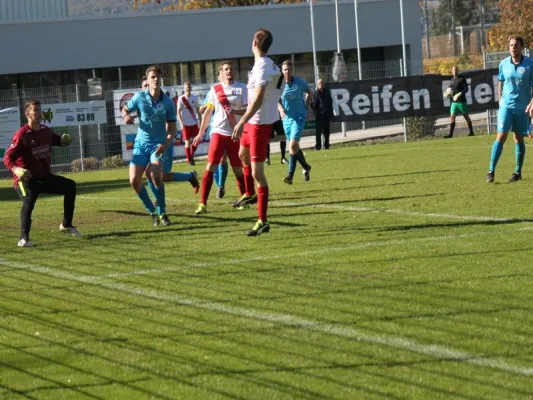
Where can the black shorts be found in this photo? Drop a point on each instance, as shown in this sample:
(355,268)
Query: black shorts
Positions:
(277,129)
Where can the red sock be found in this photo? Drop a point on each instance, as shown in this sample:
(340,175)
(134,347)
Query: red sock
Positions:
(188,154)
(241,185)
(193,150)
(207,182)
(262,202)
(249,180)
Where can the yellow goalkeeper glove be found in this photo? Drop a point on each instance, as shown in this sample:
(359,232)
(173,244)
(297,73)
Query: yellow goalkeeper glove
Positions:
(22,173)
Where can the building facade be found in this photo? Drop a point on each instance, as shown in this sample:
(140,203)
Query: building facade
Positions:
(25,10)
(189,44)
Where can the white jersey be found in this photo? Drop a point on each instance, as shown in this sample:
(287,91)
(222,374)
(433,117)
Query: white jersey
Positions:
(265,73)
(237,95)
(188,119)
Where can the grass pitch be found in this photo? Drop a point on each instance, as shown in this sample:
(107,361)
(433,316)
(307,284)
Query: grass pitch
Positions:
(395,273)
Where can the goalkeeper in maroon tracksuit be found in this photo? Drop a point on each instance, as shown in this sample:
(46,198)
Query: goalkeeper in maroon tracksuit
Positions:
(28,158)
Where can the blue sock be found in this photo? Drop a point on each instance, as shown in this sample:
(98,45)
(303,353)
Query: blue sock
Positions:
(225,169)
(181,176)
(216,176)
(520,153)
(152,187)
(161,201)
(497,149)
(292,164)
(143,195)
(301,159)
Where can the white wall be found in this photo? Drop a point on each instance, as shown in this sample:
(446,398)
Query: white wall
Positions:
(140,39)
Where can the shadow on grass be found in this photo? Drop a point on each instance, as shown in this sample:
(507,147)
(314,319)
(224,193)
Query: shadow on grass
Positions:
(402,174)
(453,225)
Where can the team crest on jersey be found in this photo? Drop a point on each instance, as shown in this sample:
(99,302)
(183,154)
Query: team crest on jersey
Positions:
(521,70)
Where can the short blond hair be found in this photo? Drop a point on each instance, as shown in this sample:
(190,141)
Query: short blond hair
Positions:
(29,103)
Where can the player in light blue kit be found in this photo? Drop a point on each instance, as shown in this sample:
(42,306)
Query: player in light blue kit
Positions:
(157,128)
(514,90)
(293,111)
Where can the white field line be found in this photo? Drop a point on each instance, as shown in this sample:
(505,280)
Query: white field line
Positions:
(436,351)
(394,211)
(336,207)
(305,254)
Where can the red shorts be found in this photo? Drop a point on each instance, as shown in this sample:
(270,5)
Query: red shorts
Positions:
(223,143)
(256,137)
(189,132)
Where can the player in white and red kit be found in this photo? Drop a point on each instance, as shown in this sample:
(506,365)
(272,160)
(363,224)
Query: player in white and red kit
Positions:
(255,127)
(188,115)
(225,101)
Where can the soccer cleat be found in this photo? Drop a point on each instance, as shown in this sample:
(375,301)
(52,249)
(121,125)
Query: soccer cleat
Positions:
(192,163)
(155,219)
(164,220)
(515,177)
(306,174)
(267,162)
(288,180)
(220,193)
(244,199)
(24,243)
(70,229)
(201,209)
(490,177)
(471,134)
(447,136)
(244,207)
(259,228)
(284,161)
(194,182)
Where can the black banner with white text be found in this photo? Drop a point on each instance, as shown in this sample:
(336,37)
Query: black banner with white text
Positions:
(409,96)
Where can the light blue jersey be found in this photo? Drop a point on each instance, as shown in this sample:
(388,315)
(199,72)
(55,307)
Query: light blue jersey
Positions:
(517,83)
(293,98)
(153,116)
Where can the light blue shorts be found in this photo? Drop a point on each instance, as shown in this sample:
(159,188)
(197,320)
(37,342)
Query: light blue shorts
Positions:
(293,127)
(167,159)
(513,120)
(144,154)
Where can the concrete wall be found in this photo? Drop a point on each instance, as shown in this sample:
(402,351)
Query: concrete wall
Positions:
(133,39)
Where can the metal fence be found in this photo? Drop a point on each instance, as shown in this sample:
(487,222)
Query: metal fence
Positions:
(101,141)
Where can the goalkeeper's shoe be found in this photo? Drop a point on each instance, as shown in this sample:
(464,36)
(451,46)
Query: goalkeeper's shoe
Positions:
(259,228)
(306,173)
(155,219)
(245,199)
(201,209)
(515,177)
(24,243)
(164,220)
(70,229)
(194,182)
(490,177)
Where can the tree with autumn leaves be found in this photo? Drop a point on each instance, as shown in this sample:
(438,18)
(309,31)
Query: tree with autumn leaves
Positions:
(198,4)
(515,19)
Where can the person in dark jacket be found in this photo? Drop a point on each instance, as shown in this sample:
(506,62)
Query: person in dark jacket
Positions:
(459,87)
(322,105)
